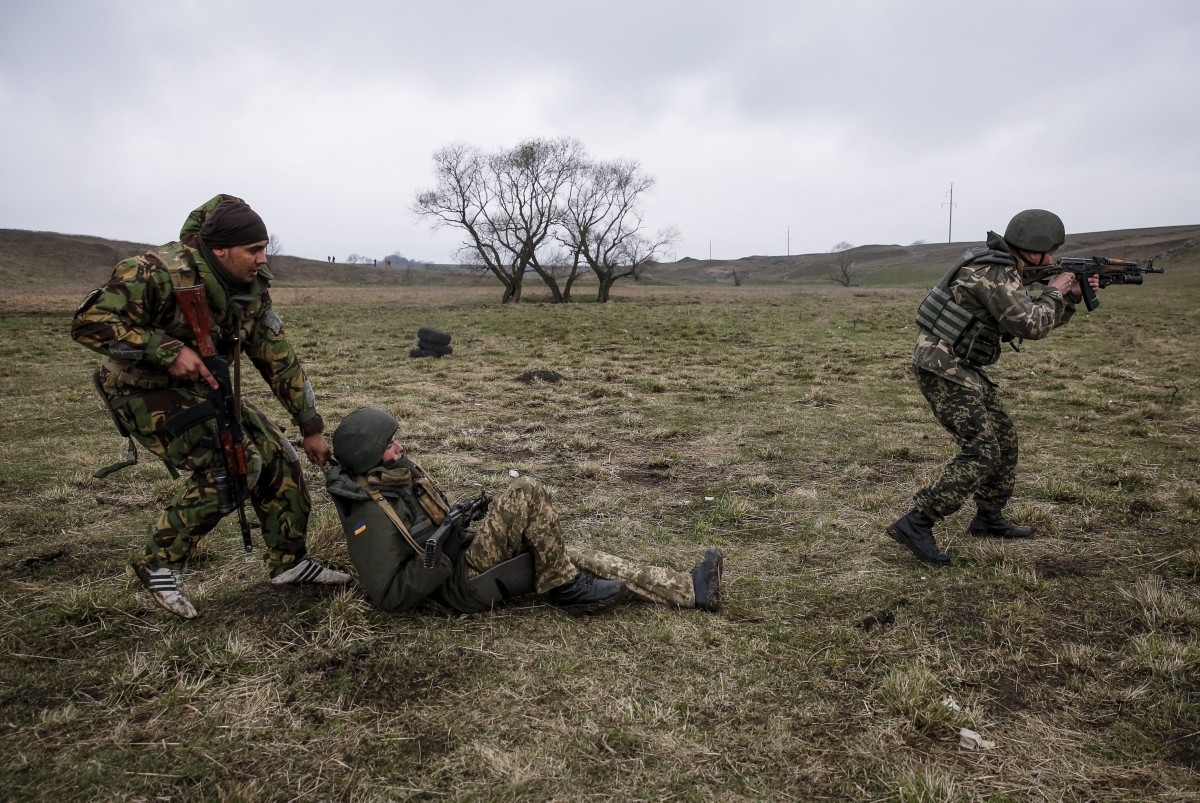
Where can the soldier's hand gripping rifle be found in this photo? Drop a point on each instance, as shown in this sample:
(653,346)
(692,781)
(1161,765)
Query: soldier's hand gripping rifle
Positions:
(229,475)
(458,518)
(1110,271)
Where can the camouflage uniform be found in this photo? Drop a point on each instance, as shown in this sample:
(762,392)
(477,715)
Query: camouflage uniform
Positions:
(961,394)
(521,520)
(137,325)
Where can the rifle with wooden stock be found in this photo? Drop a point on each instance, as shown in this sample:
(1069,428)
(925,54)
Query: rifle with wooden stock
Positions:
(229,474)
(1110,271)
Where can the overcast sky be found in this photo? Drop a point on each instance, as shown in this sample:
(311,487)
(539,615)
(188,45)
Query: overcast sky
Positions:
(770,127)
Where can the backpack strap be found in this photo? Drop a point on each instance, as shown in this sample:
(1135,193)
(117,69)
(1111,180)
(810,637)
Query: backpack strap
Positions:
(391,513)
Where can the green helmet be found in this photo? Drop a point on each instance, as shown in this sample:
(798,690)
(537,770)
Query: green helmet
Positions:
(1035,230)
(361,438)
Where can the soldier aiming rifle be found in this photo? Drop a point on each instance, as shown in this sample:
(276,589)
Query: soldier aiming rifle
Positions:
(981,303)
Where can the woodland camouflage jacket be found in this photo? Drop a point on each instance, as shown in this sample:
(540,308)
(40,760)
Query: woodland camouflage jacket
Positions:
(995,294)
(136,323)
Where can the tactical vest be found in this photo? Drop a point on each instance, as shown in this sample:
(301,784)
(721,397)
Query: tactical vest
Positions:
(972,339)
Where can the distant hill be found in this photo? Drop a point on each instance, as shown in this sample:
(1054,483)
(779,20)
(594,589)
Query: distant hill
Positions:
(922,265)
(33,260)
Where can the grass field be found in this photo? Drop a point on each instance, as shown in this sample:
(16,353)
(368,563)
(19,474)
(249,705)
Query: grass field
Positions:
(780,425)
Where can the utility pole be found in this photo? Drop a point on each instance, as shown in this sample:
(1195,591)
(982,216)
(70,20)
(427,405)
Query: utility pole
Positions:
(789,241)
(710,249)
(950,234)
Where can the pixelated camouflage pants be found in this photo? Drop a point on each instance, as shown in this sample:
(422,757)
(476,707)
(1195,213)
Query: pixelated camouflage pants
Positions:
(986,465)
(277,489)
(523,519)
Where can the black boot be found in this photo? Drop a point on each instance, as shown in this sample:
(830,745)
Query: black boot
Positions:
(991,523)
(706,580)
(915,531)
(587,594)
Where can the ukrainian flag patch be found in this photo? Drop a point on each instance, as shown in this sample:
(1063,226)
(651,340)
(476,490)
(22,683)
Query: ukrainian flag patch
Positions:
(360,529)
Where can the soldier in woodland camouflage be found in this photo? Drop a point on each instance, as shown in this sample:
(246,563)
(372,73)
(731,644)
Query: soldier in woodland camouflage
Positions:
(389,506)
(978,306)
(155,383)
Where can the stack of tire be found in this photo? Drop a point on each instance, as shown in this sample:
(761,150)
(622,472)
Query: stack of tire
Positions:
(431,343)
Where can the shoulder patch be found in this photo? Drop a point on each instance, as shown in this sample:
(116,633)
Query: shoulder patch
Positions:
(273,322)
(360,528)
(89,301)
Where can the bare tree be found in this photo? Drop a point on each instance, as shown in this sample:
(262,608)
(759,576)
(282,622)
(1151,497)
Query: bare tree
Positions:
(506,204)
(274,245)
(843,270)
(563,265)
(602,222)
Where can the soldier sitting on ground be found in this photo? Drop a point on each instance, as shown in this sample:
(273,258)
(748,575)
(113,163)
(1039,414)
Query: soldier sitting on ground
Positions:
(389,507)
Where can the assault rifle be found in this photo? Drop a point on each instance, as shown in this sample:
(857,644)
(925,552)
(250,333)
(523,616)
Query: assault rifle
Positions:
(229,475)
(1110,271)
(458,518)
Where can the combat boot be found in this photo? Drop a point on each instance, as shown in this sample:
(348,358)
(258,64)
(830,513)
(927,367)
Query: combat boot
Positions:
(587,594)
(992,524)
(915,531)
(308,570)
(706,580)
(166,587)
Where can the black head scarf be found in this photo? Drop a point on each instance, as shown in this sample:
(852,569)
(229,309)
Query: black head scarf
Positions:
(231,223)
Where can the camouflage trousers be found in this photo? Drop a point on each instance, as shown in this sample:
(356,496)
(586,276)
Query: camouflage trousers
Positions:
(522,519)
(986,465)
(161,421)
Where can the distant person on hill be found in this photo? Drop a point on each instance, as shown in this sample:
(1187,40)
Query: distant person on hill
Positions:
(978,306)
(157,386)
(389,507)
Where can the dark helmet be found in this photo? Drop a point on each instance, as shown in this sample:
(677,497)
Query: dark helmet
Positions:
(361,438)
(1035,230)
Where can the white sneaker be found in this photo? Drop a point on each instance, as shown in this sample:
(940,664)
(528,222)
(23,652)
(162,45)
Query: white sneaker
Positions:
(309,571)
(166,587)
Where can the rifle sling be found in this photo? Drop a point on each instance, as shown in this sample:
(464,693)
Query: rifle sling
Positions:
(189,417)
(419,551)
(237,371)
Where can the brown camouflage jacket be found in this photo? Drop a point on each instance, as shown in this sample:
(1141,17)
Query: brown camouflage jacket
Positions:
(996,295)
(137,325)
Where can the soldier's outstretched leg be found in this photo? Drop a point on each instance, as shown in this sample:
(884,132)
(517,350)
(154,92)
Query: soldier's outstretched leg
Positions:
(523,520)
(699,588)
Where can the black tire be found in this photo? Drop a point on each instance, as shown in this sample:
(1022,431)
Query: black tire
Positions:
(435,348)
(415,353)
(433,336)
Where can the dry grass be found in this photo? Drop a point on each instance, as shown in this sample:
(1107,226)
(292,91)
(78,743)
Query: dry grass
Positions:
(778,424)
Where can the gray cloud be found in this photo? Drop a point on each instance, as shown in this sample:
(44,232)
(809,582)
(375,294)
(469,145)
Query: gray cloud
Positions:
(836,121)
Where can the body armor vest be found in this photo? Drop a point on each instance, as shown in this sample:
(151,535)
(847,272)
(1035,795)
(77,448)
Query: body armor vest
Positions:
(971,339)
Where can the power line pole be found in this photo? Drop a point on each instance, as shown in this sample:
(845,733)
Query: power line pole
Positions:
(789,241)
(950,234)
